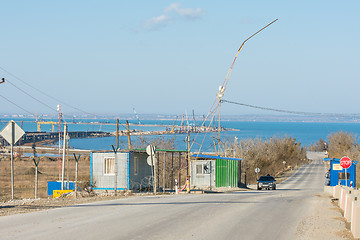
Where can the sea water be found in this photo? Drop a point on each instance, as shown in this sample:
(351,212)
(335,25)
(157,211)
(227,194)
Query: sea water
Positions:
(305,133)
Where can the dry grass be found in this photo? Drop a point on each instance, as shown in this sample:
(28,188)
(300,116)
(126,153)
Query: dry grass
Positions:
(24,175)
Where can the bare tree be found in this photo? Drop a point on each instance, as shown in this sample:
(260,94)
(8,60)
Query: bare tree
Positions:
(268,155)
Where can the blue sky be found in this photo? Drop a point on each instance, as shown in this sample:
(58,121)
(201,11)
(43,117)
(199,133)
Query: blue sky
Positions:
(171,56)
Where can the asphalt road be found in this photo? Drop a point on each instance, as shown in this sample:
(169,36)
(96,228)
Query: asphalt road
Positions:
(238,215)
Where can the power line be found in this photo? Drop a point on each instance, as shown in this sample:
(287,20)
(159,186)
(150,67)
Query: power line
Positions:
(42,92)
(16,105)
(31,96)
(292,112)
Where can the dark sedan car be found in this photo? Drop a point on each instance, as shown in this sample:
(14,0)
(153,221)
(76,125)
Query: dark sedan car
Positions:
(266,182)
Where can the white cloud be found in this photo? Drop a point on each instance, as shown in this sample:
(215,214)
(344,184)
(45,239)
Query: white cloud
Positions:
(188,13)
(173,12)
(157,22)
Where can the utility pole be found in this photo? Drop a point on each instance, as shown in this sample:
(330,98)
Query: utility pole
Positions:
(67,160)
(36,166)
(63,162)
(128,134)
(59,111)
(36,175)
(115,177)
(76,173)
(188,164)
(164,172)
(172,170)
(117,133)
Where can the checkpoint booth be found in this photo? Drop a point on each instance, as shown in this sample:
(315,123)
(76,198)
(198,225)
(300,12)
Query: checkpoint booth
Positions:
(209,171)
(337,173)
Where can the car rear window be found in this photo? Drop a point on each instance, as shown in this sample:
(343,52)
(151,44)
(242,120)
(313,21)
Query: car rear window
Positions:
(266,178)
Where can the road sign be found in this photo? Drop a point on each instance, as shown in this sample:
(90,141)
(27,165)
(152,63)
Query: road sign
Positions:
(148,160)
(345,162)
(12,132)
(150,150)
(151,160)
(257,170)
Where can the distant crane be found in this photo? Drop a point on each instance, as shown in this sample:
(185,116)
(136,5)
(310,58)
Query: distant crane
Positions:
(173,128)
(137,117)
(39,123)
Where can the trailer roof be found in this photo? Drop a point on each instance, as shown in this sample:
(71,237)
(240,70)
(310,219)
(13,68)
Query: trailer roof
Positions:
(215,157)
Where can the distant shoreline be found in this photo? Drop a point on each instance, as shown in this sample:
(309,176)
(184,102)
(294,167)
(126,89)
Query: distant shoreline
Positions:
(198,118)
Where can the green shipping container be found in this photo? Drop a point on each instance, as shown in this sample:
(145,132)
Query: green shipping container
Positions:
(226,173)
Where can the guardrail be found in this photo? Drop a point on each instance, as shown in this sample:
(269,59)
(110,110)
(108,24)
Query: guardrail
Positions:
(349,202)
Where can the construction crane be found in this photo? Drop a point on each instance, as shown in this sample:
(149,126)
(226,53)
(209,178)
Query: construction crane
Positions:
(173,128)
(215,108)
(47,122)
(137,117)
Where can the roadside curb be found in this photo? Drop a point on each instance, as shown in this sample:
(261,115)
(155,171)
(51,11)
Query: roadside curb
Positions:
(348,200)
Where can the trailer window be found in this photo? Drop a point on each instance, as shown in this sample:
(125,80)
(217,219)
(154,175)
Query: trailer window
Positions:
(199,169)
(109,166)
(342,176)
(203,168)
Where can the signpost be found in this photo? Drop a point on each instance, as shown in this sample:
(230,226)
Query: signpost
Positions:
(257,170)
(345,162)
(150,150)
(12,133)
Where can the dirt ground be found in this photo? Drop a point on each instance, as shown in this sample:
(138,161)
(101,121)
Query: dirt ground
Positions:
(325,222)
(48,170)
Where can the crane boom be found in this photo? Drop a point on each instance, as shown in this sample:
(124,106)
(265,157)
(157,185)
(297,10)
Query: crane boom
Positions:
(215,107)
(136,115)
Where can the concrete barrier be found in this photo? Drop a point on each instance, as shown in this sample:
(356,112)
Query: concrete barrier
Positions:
(354,197)
(336,191)
(349,201)
(355,222)
(342,198)
(348,205)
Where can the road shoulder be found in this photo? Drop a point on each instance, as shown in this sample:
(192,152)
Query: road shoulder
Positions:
(324,221)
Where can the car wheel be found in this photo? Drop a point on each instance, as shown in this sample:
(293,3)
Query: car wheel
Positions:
(274,188)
